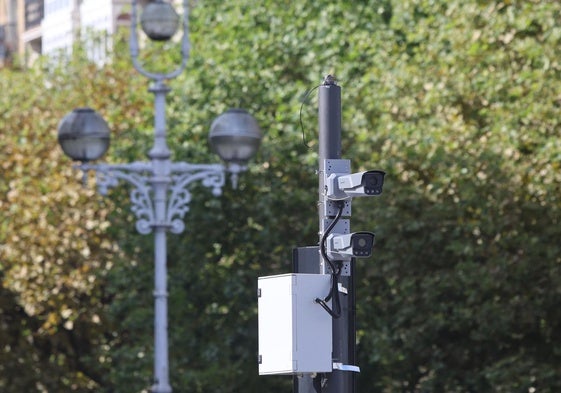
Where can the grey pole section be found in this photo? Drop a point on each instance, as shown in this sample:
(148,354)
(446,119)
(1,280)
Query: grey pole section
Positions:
(160,182)
(329,114)
(160,156)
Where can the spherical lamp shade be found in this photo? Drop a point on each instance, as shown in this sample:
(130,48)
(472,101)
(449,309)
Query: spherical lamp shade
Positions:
(159,20)
(83,135)
(235,136)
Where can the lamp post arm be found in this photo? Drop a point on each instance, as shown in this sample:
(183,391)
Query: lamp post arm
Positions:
(185,167)
(141,176)
(136,166)
(142,205)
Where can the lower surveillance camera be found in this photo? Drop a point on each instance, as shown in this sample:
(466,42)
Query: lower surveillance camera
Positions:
(352,245)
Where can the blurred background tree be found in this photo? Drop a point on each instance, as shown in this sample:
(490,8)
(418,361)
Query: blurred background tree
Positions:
(457,100)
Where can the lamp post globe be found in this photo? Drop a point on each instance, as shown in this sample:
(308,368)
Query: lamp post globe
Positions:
(235,136)
(83,135)
(159,20)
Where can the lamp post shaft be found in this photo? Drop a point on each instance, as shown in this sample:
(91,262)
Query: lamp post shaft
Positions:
(160,156)
(161,362)
(160,150)
(160,182)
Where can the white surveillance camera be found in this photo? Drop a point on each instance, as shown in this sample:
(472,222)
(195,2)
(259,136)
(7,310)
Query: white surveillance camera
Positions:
(342,186)
(352,245)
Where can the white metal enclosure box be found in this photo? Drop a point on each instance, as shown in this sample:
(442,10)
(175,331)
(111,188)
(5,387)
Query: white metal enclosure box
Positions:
(295,333)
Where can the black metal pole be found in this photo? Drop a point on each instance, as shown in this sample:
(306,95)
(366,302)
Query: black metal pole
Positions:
(329,120)
(329,113)
(305,260)
(338,381)
(352,328)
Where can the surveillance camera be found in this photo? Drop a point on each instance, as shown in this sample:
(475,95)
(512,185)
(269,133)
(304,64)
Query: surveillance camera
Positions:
(352,245)
(367,183)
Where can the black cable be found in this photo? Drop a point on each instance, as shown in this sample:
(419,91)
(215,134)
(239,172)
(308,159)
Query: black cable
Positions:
(335,270)
(317,383)
(310,91)
(336,311)
(326,233)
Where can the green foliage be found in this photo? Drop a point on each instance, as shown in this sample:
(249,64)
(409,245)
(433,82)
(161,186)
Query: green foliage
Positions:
(465,294)
(55,250)
(456,100)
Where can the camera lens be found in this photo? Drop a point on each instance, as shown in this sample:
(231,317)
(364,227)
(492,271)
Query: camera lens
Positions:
(362,244)
(373,182)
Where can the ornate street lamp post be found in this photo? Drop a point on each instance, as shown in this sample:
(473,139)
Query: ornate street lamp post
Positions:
(160,196)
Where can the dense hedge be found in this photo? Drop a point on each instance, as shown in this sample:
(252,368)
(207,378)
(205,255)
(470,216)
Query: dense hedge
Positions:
(457,101)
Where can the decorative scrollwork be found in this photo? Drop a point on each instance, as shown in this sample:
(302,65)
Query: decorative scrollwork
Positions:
(142,207)
(143,227)
(180,196)
(177,226)
(108,176)
(141,177)
(178,204)
(105,180)
(216,182)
